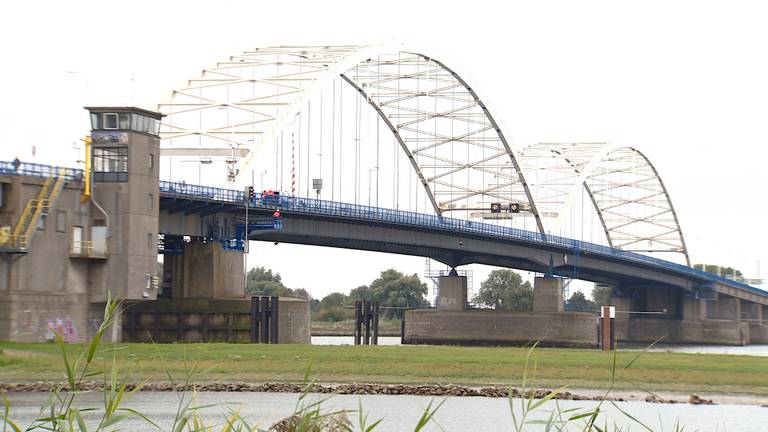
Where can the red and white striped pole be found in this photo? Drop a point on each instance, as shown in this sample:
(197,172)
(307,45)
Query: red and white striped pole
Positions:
(293,167)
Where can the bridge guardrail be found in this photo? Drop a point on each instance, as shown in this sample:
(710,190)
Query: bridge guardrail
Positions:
(401,217)
(39,170)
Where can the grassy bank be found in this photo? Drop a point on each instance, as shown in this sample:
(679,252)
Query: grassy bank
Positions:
(22,362)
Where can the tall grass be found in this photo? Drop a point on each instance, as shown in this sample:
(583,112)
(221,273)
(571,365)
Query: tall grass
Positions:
(63,410)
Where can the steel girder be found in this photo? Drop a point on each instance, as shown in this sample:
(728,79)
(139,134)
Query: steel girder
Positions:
(631,201)
(455,146)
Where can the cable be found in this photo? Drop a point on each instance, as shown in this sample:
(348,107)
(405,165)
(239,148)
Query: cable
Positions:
(333,140)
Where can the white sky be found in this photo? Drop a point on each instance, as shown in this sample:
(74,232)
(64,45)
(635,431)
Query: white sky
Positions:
(686,82)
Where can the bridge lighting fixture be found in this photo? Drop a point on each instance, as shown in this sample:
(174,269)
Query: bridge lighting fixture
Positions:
(495,207)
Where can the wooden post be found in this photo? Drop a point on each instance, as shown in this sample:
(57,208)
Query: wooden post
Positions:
(375,323)
(367,319)
(358,319)
(264,319)
(607,334)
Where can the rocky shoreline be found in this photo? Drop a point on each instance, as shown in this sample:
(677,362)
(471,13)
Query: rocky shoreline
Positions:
(353,389)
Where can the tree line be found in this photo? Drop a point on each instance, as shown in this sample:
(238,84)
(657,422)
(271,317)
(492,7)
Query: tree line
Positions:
(395,292)
(505,289)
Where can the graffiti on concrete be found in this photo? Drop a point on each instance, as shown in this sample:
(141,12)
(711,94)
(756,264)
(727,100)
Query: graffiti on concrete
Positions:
(65,328)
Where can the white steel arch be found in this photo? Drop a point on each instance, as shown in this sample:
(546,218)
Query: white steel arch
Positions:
(455,146)
(631,201)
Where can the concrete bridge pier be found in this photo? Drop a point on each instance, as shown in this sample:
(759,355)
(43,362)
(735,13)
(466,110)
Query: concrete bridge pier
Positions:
(548,294)
(452,292)
(754,315)
(205,270)
(647,313)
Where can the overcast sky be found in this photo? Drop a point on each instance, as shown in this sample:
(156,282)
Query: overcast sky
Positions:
(686,82)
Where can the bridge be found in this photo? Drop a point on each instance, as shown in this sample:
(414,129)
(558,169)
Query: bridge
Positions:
(454,242)
(329,128)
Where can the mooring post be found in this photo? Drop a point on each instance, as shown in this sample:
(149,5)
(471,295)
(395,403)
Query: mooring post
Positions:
(358,318)
(265,319)
(375,323)
(367,318)
(274,318)
(608,334)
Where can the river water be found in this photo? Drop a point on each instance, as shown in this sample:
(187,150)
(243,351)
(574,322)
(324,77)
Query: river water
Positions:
(754,350)
(401,413)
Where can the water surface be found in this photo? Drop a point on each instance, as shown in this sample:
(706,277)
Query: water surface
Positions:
(401,413)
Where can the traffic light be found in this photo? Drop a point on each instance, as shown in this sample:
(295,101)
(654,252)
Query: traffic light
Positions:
(514,207)
(495,207)
(249,192)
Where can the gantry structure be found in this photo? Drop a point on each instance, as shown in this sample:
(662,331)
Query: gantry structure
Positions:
(237,107)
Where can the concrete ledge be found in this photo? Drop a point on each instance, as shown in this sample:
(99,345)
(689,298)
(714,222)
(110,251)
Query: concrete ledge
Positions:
(716,332)
(498,327)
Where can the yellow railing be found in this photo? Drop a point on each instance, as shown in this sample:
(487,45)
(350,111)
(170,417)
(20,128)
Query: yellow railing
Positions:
(35,209)
(87,248)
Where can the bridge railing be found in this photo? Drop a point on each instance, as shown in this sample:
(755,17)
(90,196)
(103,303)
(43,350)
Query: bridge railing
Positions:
(38,170)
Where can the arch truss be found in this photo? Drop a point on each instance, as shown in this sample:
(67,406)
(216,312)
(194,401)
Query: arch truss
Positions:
(455,146)
(631,201)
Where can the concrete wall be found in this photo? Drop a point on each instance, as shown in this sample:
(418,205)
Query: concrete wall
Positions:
(46,286)
(452,293)
(294,321)
(719,332)
(498,327)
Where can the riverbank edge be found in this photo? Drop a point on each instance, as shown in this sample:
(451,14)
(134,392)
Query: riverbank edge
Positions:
(442,390)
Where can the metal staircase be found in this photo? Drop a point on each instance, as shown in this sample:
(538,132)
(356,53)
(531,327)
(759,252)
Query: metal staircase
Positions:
(35,210)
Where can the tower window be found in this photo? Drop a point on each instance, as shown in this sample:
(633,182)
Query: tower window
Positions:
(110,164)
(125,121)
(110,120)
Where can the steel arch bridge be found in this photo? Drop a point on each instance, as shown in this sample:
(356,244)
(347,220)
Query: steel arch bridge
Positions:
(238,107)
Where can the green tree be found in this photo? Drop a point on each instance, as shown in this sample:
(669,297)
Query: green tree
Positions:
(332,308)
(579,302)
(363,292)
(393,288)
(723,271)
(333,299)
(601,295)
(505,289)
(302,294)
(261,281)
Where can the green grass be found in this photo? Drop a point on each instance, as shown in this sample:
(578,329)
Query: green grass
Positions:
(578,368)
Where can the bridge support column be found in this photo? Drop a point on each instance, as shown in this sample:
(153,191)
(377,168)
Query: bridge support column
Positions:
(452,293)
(547,294)
(724,308)
(754,314)
(694,310)
(209,272)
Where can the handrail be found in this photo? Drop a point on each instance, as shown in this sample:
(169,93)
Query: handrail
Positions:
(88,248)
(400,217)
(40,170)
